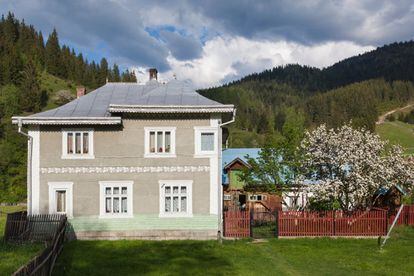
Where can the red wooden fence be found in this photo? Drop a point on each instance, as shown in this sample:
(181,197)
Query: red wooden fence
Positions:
(332,223)
(236,223)
(406,217)
(327,223)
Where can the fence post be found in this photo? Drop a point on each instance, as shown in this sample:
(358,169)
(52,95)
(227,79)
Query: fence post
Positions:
(334,223)
(277,223)
(251,222)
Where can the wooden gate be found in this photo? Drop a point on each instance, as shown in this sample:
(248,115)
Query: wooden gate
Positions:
(236,223)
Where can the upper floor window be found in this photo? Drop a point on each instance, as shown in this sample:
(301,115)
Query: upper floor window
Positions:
(205,140)
(77,143)
(160,142)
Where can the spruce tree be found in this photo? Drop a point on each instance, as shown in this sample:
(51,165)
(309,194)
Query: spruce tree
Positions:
(52,54)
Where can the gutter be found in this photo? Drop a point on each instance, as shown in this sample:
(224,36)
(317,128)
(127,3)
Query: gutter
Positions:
(29,164)
(220,209)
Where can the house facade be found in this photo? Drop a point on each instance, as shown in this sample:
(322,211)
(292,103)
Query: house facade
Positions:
(130,161)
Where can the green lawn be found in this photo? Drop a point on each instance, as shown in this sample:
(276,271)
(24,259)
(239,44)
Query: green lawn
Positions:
(319,256)
(13,256)
(398,133)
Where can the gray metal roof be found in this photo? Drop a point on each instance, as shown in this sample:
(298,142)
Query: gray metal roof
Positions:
(97,102)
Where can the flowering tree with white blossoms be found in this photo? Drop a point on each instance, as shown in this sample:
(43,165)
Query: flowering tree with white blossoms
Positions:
(349,165)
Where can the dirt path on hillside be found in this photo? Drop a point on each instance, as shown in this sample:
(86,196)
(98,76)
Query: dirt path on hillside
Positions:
(381,118)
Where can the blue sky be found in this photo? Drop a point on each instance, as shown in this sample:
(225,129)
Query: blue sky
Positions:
(212,42)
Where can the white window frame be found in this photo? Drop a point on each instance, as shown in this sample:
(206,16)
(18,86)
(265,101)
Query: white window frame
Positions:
(189,185)
(156,154)
(66,155)
(61,186)
(130,193)
(254,197)
(227,197)
(197,141)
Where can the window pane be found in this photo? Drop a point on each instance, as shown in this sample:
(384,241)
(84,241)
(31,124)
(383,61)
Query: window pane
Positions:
(116,190)
(159,141)
(85,142)
(61,201)
(175,204)
(175,190)
(116,204)
(152,141)
(167,189)
(167,141)
(183,189)
(108,205)
(184,204)
(124,205)
(124,190)
(70,143)
(207,141)
(78,143)
(168,204)
(108,190)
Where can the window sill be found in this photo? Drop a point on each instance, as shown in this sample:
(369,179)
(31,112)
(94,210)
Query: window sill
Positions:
(153,155)
(205,154)
(78,157)
(110,216)
(177,215)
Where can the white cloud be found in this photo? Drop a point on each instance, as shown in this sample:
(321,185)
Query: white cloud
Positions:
(225,59)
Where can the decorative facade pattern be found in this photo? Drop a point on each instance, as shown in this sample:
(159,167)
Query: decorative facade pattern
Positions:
(149,169)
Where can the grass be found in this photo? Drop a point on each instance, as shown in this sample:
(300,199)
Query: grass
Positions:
(398,133)
(12,256)
(319,256)
(52,85)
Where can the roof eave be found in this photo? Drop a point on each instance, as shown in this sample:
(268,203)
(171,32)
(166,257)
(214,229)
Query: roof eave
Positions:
(67,120)
(171,108)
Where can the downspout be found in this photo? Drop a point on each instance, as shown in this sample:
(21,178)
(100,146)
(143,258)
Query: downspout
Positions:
(29,165)
(221,201)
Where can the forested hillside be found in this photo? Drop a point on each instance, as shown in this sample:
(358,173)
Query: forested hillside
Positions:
(357,89)
(36,75)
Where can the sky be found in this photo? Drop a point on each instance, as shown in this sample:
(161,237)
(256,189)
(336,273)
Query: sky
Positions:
(214,42)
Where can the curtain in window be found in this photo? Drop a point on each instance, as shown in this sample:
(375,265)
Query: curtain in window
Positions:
(167,141)
(78,143)
(159,141)
(70,143)
(207,141)
(85,143)
(60,201)
(152,141)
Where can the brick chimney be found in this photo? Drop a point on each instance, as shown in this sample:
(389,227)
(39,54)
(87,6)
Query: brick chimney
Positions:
(80,91)
(153,74)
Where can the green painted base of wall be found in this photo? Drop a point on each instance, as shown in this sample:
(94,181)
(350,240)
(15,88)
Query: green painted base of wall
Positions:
(144,222)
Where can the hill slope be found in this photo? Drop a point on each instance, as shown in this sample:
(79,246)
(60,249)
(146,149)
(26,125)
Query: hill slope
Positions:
(358,89)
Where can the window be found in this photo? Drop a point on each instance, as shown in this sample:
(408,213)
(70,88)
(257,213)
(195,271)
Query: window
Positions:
(116,199)
(227,197)
(60,198)
(257,197)
(77,144)
(175,198)
(160,142)
(206,141)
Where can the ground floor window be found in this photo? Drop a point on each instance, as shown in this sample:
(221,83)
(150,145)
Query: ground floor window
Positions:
(60,198)
(176,198)
(116,198)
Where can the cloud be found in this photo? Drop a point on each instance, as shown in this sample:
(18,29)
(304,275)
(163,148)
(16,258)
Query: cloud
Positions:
(229,58)
(211,42)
